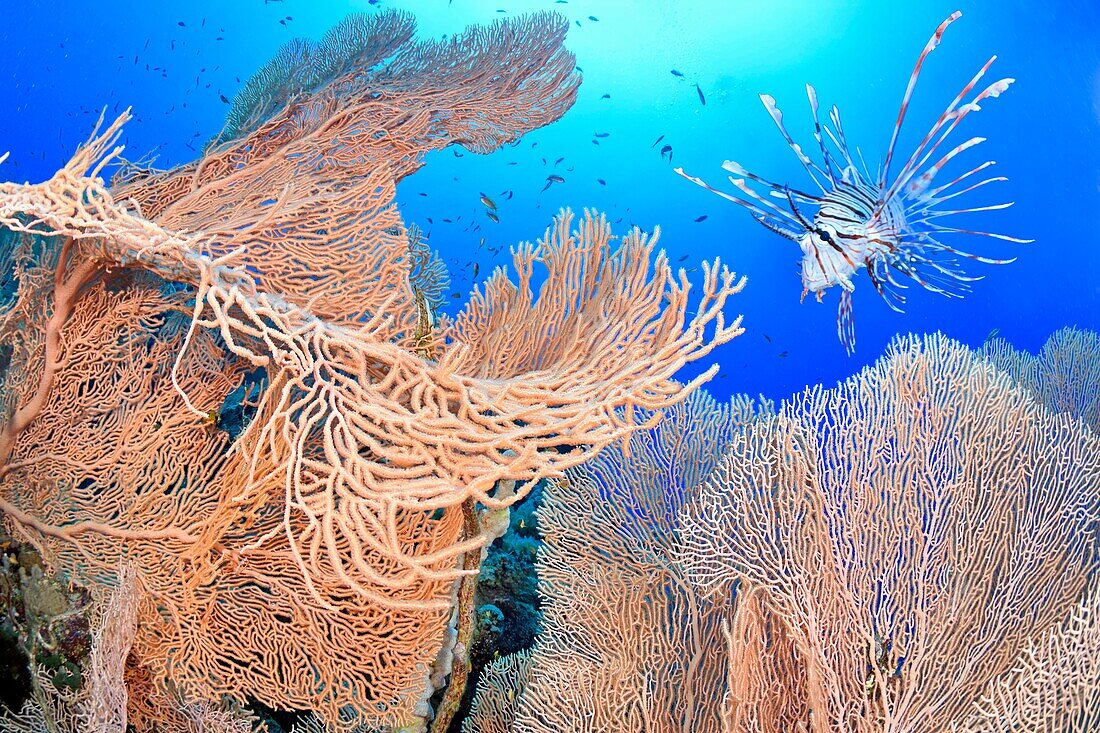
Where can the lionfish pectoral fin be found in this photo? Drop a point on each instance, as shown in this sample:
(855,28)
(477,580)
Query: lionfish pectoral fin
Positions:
(781,231)
(846,323)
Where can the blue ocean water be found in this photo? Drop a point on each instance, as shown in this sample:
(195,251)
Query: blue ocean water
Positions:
(179,64)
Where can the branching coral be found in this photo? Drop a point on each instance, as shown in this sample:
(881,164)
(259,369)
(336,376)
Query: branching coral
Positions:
(626,642)
(309,562)
(909,534)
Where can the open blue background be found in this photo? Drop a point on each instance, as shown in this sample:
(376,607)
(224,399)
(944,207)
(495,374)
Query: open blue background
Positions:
(63,61)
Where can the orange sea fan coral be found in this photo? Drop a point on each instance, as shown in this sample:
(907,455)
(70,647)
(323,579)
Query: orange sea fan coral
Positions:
(918,533)
(309,562)
(300,184)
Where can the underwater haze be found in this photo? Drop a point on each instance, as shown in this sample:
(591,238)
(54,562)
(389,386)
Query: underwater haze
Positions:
(688,74)
(346,383)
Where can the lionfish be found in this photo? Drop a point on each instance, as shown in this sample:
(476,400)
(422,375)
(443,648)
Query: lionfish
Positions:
(884,226)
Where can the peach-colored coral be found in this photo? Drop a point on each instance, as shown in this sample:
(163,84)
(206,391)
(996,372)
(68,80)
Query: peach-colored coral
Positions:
(499,692)
(300,184)
(913,532)
(308,563)
(1064,375)
(627,643)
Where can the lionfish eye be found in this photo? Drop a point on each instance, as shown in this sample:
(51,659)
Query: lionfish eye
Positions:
(824,234)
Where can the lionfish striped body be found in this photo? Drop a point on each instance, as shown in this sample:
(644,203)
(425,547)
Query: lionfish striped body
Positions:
(882,226)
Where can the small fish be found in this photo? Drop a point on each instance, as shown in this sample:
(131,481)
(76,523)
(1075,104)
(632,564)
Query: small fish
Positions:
(488,202)
(448,221)
(492,217)
(181,24)
(767,338)
(222,96)
(677,73)
(477,268)
(456,296)
(702,99)
(601,181)
(601,134)
(606,96)
(700,218)
(683,258)
(662,137)
(782,354)
(992,335)
(422,193)
(506,194)
(667,150)
(593,18)
(558,161)
(551,180)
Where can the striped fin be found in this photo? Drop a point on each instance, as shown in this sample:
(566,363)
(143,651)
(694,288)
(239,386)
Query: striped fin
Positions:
(777,117)
(954,116)
(846,322)
(928,48)
(811,94)
(769,213)
(839,140)
(738,170)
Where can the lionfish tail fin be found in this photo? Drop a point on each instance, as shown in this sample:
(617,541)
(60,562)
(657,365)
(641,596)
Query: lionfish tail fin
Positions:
(846,322)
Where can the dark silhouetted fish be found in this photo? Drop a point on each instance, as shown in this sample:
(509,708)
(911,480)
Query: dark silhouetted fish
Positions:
(601,181)
(702,99)
(551,180)
(492,217)
(667,150)
(677,73)
(700,218)
(662,137)
(601,134)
